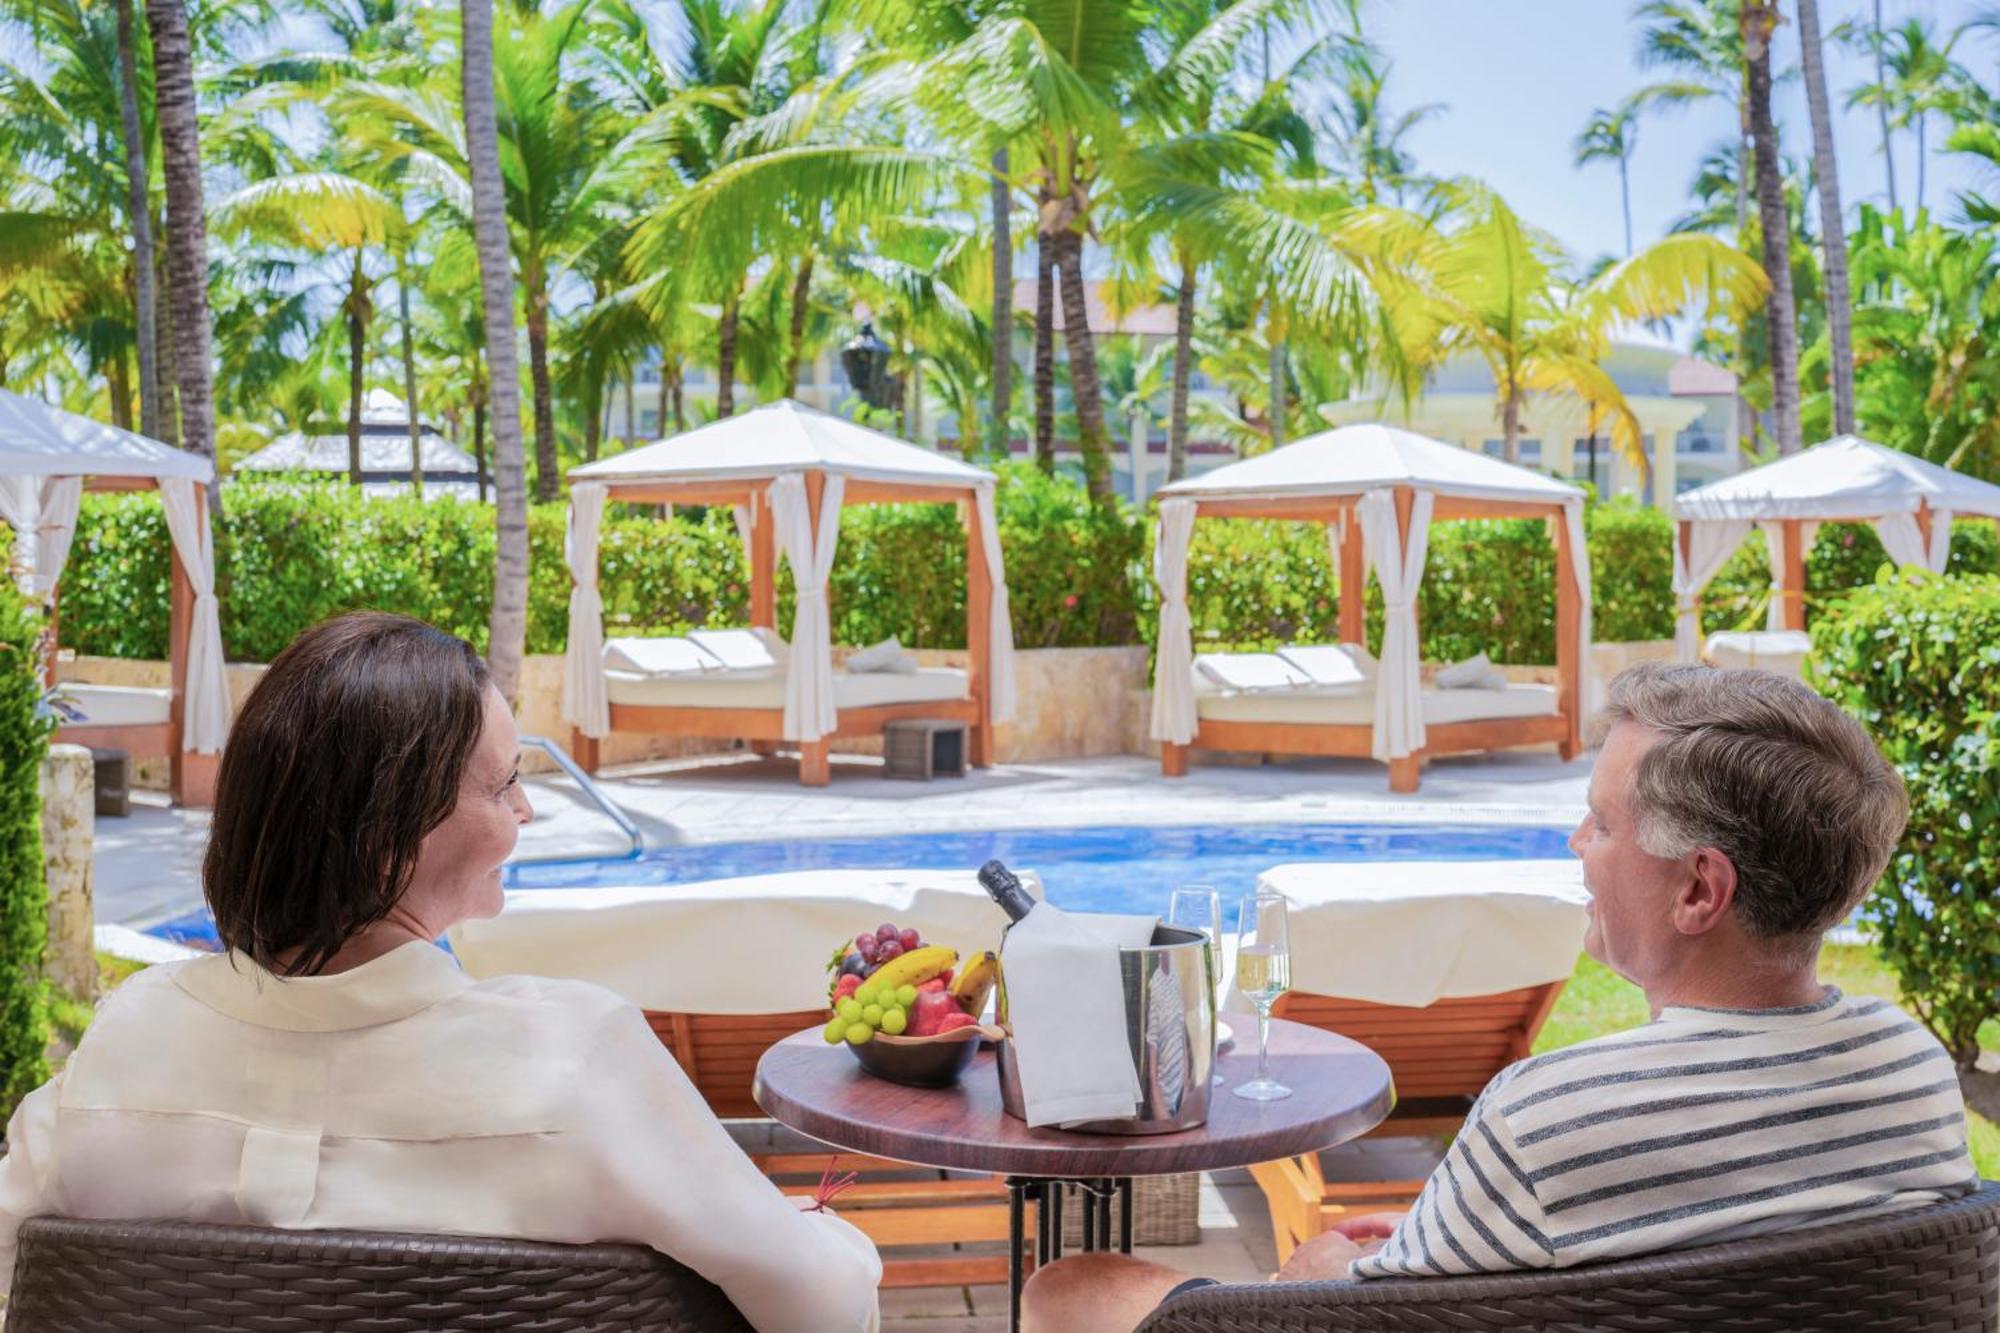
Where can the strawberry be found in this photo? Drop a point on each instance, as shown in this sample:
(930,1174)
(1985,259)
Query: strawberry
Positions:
(953,1022)
(846,987)
(934,984)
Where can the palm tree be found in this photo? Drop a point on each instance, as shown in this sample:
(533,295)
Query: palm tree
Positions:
(1368,137)
(1610,136)
(187,231)
(507,629)
(145,326)
(1833,224)
(1919,81)
(1759,20)
(1701,43)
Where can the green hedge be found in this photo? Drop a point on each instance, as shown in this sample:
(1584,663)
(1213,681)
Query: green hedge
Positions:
(1917,661)
(24,899)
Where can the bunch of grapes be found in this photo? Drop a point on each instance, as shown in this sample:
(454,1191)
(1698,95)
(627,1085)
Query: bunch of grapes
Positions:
(872,1007)
(872,949)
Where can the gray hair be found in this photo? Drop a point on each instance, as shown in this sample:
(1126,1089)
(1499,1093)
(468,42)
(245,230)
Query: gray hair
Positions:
(1771,775)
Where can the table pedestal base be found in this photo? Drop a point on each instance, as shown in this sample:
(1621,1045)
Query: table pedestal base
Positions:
(1047,1194)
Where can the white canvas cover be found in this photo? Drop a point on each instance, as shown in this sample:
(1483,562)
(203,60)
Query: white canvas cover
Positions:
(1845,478)
(785,436)
(585,704)
(37,440)
(1354,460)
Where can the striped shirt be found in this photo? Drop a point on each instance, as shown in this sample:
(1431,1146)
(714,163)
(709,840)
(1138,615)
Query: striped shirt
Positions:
(1703,1126)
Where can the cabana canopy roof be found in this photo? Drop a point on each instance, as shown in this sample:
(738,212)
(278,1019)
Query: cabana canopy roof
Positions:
(37,440)
(1844,478)
(1353,460)
(778,438)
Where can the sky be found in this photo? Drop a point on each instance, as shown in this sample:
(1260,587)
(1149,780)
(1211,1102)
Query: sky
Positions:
(1519,79)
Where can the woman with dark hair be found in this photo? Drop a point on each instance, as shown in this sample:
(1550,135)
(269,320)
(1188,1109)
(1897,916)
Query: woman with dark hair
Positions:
(335,1069)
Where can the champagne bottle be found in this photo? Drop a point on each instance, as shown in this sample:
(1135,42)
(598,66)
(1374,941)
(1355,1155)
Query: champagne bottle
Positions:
(1004,887)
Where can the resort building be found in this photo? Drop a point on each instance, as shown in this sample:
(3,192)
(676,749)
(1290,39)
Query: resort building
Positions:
(385,453)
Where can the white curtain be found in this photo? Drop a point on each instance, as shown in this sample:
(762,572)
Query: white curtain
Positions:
(744,516)
(1000,634)
(1904,540)
(1579,555)
(42,513)
(205,712)
(1173,659)
(1398,561)
(1774,542)
(1710,544)
(1336,537)
(585,703)
(809,710)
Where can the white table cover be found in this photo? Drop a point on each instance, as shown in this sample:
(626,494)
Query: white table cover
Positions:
(1412,932)
(755,945)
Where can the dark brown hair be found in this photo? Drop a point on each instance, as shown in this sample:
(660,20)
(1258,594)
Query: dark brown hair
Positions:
(1774,777)
(351,748)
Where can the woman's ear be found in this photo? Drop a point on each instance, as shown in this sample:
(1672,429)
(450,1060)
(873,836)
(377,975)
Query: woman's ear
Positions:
(1704,899)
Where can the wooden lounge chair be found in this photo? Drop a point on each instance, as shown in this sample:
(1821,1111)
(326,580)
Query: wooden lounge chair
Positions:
(1441,1056)
(1933,1270)
(897,1205)
(183,1277)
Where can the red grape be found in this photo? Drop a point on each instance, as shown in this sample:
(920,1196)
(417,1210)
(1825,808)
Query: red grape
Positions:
(910,940)
(886,932)
(889,949)
(865,946)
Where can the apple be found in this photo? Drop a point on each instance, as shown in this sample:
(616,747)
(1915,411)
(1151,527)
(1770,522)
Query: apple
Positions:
(927,1015)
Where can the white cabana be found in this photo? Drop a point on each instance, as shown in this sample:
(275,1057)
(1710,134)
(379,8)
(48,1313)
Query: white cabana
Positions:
(48,458)
(1378,488)
(1848,479)
(787,470)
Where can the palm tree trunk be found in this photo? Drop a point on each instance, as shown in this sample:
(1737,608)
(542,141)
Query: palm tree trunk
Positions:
(1832,222)
(187,228)
(1882,113)
(1084,388)
(1625,197)
(118,384)
(666,396)
(1045,352)
(680,400)
(410,381)
(1277,375)
(1759,17)
(999,439)
(357,351)
(145,326)
(1177,414)
(169,418)
(725,360)
(507,627)
(593,422)
(795,343)
(1922,152)
(632,406)
(548,472)
(1510,422)
(479,438)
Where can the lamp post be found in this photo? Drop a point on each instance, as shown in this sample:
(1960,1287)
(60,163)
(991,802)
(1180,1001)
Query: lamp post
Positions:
(865,358)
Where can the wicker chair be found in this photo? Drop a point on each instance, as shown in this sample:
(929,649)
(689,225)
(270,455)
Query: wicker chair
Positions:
(142,1277)
(1936,1270)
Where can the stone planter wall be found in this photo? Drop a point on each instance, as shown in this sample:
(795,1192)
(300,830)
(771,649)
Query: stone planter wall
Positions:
(69,813)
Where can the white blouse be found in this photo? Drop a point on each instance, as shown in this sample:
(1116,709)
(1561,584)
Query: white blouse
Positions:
(404,1096)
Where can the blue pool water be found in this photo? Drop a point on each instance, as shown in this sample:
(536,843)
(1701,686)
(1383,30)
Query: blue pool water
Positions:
(1091,869)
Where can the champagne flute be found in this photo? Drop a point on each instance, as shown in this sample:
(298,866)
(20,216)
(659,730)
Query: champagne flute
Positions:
(1198,907)
(1263,973)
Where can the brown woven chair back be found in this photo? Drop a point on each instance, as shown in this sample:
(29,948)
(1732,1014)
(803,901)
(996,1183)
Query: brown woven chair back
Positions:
(151,1277)
(1934,1270)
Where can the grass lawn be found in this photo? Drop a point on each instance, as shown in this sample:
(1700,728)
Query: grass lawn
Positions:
(1597,1001)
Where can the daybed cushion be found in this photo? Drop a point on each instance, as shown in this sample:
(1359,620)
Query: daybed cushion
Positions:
(1474,673)
(887,655)
(1781,651)
(1357,707)
(658,657)
(1331,664)
(765,689)
(118,705)
(1249,672)
(736,649)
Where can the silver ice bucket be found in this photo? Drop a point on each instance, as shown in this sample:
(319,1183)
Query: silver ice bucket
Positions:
(1169,993)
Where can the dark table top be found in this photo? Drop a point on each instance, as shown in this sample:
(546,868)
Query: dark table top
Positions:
(1340,1090)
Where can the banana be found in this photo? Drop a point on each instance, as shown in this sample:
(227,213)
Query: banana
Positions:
(916,967)
(975,982)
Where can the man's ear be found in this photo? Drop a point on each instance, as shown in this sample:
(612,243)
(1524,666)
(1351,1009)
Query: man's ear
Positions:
(1704,900)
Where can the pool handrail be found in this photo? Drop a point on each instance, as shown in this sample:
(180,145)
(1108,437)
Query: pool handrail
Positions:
(589,788)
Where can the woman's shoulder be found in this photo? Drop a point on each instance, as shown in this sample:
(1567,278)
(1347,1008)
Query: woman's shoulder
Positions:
(556,1000)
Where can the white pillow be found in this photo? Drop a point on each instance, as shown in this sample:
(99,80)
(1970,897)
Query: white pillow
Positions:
(774,644)
(1250,673)
(1328,664)
(1474,673)
(736,649)
(658,657)
(887,655)
(1363,659)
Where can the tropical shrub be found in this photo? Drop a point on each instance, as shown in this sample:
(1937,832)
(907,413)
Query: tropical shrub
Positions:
(1917,661)
(24,901)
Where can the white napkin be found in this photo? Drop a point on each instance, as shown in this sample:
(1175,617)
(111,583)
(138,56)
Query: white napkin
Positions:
(1066,1006)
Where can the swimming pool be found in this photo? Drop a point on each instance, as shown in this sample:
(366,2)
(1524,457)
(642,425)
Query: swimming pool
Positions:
(1103,869)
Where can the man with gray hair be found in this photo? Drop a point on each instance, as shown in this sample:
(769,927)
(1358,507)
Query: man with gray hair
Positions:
(1734,818)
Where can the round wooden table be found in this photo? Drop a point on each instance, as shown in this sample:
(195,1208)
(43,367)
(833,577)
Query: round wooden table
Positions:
(1340,1090)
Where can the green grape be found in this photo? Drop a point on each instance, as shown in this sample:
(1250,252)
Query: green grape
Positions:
(868,995)
(836,1032)
(906,996)
(894,1021)
(872,1015)
(859,1033)
(850,1009)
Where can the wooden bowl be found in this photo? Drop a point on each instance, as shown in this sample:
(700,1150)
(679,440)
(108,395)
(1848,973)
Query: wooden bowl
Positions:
(921,1062)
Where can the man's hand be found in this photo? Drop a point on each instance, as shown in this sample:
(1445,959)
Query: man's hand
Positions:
(1369,1226)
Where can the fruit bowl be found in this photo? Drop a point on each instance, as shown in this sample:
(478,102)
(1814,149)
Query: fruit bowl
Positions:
(922,1062)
